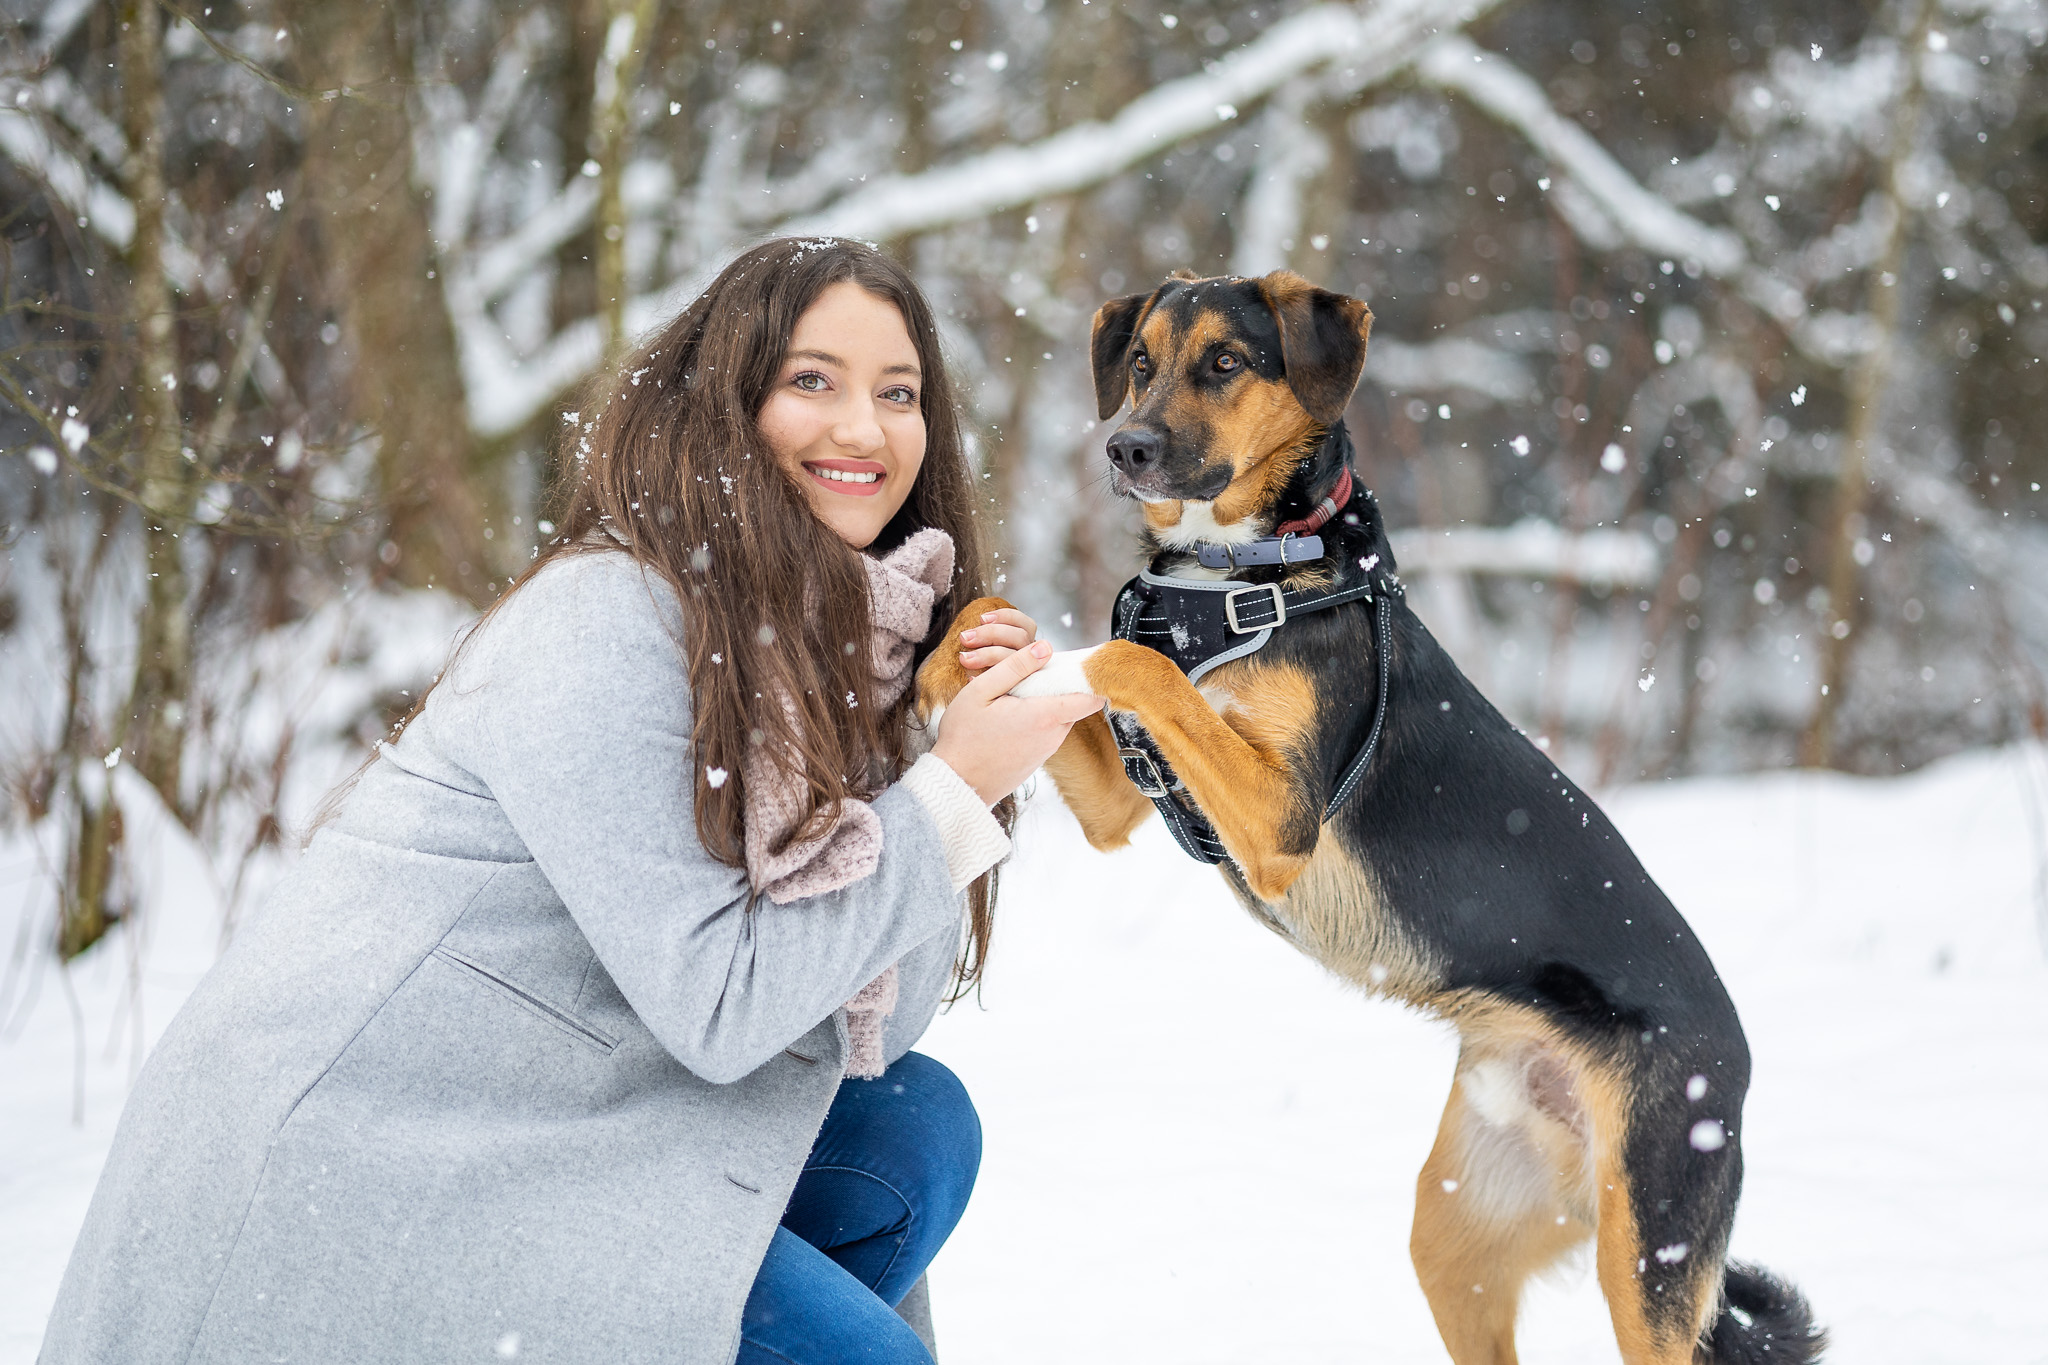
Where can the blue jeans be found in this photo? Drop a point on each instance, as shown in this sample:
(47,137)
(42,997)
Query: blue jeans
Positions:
(886,1181)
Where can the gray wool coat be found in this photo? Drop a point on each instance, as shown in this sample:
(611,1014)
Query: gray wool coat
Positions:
(506,1067)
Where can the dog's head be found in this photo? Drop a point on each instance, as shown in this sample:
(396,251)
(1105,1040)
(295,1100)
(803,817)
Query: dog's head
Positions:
(1232,382)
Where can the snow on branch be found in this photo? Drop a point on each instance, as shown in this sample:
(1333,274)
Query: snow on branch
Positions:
(27,143)
(1361,45)
(25,140)
(1607,206)
(1505,92)
(1373,44)
(501,265)
(1532,549)
(1453,363)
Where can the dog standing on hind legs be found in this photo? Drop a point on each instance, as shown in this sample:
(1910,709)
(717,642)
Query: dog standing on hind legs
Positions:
(1273,697)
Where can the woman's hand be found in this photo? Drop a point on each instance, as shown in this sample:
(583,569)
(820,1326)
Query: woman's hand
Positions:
(1000,634)
(994,740)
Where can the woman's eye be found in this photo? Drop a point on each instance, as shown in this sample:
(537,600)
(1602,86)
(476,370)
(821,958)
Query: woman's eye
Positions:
(900,394)
(1228,363)
(810,381)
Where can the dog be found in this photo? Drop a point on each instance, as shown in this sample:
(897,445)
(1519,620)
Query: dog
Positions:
(1365,802)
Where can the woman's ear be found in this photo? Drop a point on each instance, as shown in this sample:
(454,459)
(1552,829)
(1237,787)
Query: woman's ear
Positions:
(1322,342)
(1109,344)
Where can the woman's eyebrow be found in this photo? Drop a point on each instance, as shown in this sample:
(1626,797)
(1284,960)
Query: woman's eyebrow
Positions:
(828,358)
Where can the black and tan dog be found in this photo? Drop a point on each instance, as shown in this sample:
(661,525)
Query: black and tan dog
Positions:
(1602,1070)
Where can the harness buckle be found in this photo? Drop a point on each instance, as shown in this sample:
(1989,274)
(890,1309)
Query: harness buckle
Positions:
(1145,778)
(1230,608)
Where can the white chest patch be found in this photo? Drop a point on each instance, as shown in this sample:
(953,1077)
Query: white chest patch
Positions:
(1198,523)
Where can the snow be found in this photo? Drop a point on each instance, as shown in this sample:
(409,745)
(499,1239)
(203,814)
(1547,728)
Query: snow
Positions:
(1536,548)
(1200,1148)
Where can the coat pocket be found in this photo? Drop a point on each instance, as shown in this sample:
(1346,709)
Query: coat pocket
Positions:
(553,1014)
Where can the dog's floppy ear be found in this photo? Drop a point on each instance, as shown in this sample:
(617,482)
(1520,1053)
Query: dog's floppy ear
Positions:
(1322,342)
(1109,344)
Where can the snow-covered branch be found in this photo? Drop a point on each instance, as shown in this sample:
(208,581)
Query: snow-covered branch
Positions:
(1291,155)
(28,144)
(1453,363)
(1370,44)
(1607,206)
(1503,91)
(1532,549)
(1362,46)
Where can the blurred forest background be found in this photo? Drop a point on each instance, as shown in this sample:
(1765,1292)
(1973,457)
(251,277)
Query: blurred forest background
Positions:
(1708,350)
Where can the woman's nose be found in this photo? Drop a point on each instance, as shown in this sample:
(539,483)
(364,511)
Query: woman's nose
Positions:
(858,428)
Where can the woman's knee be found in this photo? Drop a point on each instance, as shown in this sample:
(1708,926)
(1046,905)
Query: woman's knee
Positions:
(939,1099)
(932,1103)
(912,1128)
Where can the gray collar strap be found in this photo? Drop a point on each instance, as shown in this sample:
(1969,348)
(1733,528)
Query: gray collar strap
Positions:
(1287,549)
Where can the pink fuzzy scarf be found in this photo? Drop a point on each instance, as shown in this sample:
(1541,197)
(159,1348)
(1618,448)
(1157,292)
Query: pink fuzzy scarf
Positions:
(902,586)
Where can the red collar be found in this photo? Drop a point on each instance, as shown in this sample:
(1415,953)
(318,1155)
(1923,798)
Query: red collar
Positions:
(1340,494)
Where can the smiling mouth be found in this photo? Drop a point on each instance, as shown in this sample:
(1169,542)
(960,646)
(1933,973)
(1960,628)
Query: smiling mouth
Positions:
(855,478)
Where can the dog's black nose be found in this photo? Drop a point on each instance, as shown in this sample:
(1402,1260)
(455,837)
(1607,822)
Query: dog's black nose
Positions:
(1135,450)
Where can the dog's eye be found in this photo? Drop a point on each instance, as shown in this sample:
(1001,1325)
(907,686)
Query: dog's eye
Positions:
(1141,364)
(1227,363)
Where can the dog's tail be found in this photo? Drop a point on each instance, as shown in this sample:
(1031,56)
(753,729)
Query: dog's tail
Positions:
(1763,1321)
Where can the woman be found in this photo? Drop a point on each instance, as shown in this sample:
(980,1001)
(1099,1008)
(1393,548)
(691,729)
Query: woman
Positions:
(537,1052)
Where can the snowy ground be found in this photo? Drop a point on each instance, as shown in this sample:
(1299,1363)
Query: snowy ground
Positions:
(1200,1149)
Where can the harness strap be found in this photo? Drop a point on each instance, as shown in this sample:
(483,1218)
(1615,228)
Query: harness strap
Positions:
(1381,630)
(1146,766)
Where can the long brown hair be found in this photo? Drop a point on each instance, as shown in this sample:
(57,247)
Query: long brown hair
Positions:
(667,463)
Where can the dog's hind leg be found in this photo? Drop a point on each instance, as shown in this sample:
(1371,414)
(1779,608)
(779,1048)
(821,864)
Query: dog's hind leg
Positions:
(1667,1185)
(1504,1195)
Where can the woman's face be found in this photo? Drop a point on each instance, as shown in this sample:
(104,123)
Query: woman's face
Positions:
(843,416)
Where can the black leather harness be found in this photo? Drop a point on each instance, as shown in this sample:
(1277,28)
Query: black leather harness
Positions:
(1201,624)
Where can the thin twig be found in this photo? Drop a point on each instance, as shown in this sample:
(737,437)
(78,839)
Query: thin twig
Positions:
(264,73)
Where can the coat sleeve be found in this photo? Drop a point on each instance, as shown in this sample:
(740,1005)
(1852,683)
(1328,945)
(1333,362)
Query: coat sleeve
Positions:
(580,726)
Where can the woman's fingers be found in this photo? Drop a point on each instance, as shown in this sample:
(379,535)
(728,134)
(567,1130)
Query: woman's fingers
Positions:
(998,634)
(974,660)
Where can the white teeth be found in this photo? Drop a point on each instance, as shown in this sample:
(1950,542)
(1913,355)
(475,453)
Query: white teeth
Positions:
(846,476)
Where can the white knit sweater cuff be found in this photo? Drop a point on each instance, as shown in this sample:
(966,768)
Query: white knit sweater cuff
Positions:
(973,841)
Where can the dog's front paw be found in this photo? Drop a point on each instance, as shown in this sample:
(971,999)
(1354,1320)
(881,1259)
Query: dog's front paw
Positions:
(1064,673)
(942,675)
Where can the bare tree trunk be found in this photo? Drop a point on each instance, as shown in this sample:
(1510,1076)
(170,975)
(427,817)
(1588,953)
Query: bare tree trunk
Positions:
(404,381)
(153,731)
(87,909)
(627,36)
(1841,531)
